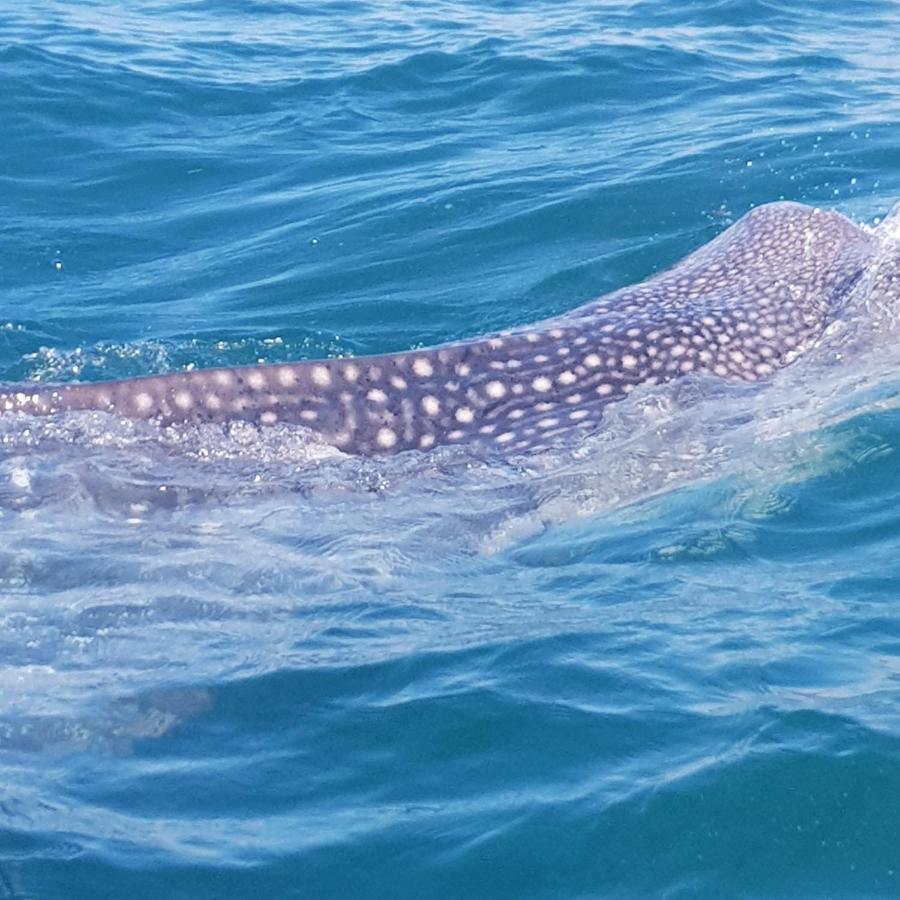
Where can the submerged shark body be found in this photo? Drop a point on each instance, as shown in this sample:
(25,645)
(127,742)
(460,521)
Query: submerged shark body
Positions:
(749,302)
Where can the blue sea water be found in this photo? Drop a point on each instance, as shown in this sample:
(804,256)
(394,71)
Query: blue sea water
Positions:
(664,662)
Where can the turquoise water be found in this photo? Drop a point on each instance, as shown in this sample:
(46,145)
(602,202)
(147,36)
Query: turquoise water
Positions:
(662,663)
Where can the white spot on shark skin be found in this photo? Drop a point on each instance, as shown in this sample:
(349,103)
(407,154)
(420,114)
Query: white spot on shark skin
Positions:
(183,400)
(309,415)
(351,372)
(464,414)
(567,378)
(257,381)
(386,438)
(376,395)
(505,437)
(463,370)
(268,417)
(426,441)
(212,402)
(495,390)
(422,367)
(592,360)
(287,377)
(604,389)
(223,378)
(321,376)
(398,382)
(431,405)
(542,384)
(143,402)
(579,414)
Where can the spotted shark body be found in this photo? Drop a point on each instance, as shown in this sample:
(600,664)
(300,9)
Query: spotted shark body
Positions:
(742,306)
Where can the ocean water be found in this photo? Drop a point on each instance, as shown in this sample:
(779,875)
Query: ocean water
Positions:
(664,662)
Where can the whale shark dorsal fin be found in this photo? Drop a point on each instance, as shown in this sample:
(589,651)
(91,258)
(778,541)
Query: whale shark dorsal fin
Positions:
(781,252)
(780,239)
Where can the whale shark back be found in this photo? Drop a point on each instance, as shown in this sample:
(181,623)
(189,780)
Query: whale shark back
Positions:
(743,305)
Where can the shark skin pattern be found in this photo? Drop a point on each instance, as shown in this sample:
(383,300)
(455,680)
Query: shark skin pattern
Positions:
(749,302)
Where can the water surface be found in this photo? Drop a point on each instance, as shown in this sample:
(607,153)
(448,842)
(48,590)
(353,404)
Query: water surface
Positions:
(662,662)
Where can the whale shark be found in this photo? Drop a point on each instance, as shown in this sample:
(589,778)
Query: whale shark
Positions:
(749,302)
